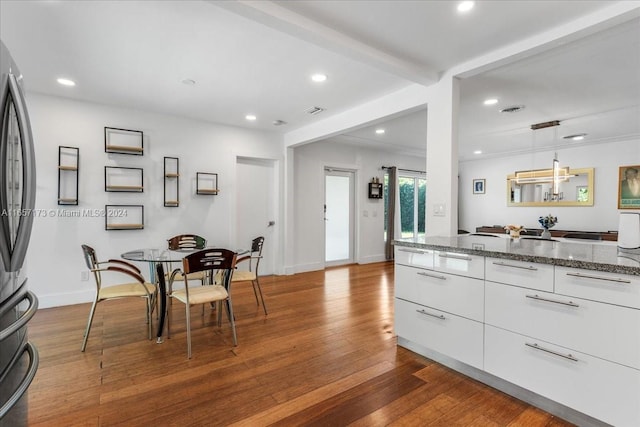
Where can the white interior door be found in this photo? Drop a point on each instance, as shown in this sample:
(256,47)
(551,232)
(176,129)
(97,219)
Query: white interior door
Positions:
(257,207)
(339,216)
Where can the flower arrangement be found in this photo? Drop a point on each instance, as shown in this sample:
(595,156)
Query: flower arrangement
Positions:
(548,221)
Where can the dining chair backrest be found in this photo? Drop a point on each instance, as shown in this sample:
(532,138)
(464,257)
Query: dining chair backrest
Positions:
(256,253)
(92,263)
(211,259)
(187,241)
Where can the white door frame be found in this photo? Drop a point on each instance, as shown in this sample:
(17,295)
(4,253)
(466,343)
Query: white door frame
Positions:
(353,224)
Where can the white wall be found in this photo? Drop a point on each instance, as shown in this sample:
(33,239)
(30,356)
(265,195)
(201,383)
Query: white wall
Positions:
(55,260)
(491,208)
(308,233)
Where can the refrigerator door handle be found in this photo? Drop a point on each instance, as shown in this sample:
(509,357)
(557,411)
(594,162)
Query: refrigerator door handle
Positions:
(24,318)
(28,173)
(34,361)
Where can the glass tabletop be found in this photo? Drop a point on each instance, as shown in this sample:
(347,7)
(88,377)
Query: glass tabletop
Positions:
(155,254)
(164,254)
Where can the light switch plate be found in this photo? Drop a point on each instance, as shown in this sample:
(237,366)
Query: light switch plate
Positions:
(439,209)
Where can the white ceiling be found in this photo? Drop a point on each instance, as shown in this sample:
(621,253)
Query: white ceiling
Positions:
(256,57)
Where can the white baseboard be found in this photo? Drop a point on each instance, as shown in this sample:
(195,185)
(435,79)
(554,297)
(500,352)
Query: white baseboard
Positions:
(67,298)
(371,259)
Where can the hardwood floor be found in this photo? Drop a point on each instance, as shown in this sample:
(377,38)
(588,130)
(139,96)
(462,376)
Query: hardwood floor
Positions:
(325,355)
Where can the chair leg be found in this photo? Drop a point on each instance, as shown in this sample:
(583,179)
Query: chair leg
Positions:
(187,312)
(88,329)
(231,320)
(256,283)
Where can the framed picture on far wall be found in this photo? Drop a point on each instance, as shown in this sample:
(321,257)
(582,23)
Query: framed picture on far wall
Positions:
(629,187)
(478,186)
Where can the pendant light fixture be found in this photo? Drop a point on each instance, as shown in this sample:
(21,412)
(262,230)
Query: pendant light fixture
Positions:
(555,175)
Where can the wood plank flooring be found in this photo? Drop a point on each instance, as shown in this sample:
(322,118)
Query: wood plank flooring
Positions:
(325,355)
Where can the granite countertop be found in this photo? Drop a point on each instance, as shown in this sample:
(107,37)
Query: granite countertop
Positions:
(590,256)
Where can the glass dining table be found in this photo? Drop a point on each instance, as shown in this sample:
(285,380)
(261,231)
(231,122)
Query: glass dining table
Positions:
(153,256)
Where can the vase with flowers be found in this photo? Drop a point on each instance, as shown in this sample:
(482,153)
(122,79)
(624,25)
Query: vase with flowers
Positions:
(514,230)
(547,222)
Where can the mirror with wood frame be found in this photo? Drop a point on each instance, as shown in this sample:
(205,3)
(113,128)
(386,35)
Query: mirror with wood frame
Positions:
(535,188)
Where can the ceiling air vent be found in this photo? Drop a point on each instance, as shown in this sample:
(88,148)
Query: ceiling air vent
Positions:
(279,122)
(512,109)
(314,110)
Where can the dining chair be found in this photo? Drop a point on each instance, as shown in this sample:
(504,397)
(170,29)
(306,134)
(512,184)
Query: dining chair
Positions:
(253,261)
(220,260)
(188,242)
(135,286)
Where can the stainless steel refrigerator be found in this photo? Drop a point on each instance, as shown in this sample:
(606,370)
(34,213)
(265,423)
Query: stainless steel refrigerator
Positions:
(18,357)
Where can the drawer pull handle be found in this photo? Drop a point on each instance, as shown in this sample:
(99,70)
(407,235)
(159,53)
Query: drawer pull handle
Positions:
(441,317)
(435,276)
(608,279)
(539,298)
(565,356)
(454,256)
(412,251)
(504,264)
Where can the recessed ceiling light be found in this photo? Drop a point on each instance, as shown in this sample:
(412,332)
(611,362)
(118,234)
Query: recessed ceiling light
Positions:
(490,101)
(379,131)
(477,152)
(319,78)
(189,82)
(66,82)
(250,117)
(576,137)
(465,6)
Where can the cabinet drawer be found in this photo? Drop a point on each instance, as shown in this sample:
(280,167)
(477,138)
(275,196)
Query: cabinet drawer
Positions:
(414,257)
(459,295)
(459,263)
(604,390)
(602,330)
(453,336)
(520,273)
(614,288)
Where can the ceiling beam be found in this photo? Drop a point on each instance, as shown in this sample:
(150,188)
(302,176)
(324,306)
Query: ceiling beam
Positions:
(282,19)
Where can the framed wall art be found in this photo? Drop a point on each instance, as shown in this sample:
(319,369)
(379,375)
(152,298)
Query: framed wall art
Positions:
(478,186)
(629,187)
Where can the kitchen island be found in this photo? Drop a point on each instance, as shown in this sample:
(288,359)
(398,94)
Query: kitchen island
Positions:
(554,323)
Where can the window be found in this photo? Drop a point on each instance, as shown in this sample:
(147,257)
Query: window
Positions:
(412,189)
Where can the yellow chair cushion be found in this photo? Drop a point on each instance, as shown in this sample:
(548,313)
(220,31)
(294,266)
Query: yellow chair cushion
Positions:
(201,294)
(240,276)
(126,290)
(198,275)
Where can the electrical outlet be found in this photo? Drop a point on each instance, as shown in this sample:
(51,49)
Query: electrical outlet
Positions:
(84,276)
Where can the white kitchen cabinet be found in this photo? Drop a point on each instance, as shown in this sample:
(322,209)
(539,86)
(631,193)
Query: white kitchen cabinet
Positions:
(446,333)
(459,263)
(526,274)
(601,330)
(604,390)
(414,257)
(619,289)
(568,338)
(460,295)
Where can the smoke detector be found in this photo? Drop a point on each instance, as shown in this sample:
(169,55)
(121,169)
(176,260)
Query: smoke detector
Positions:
(279,122)
(512,109)
(314,110)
